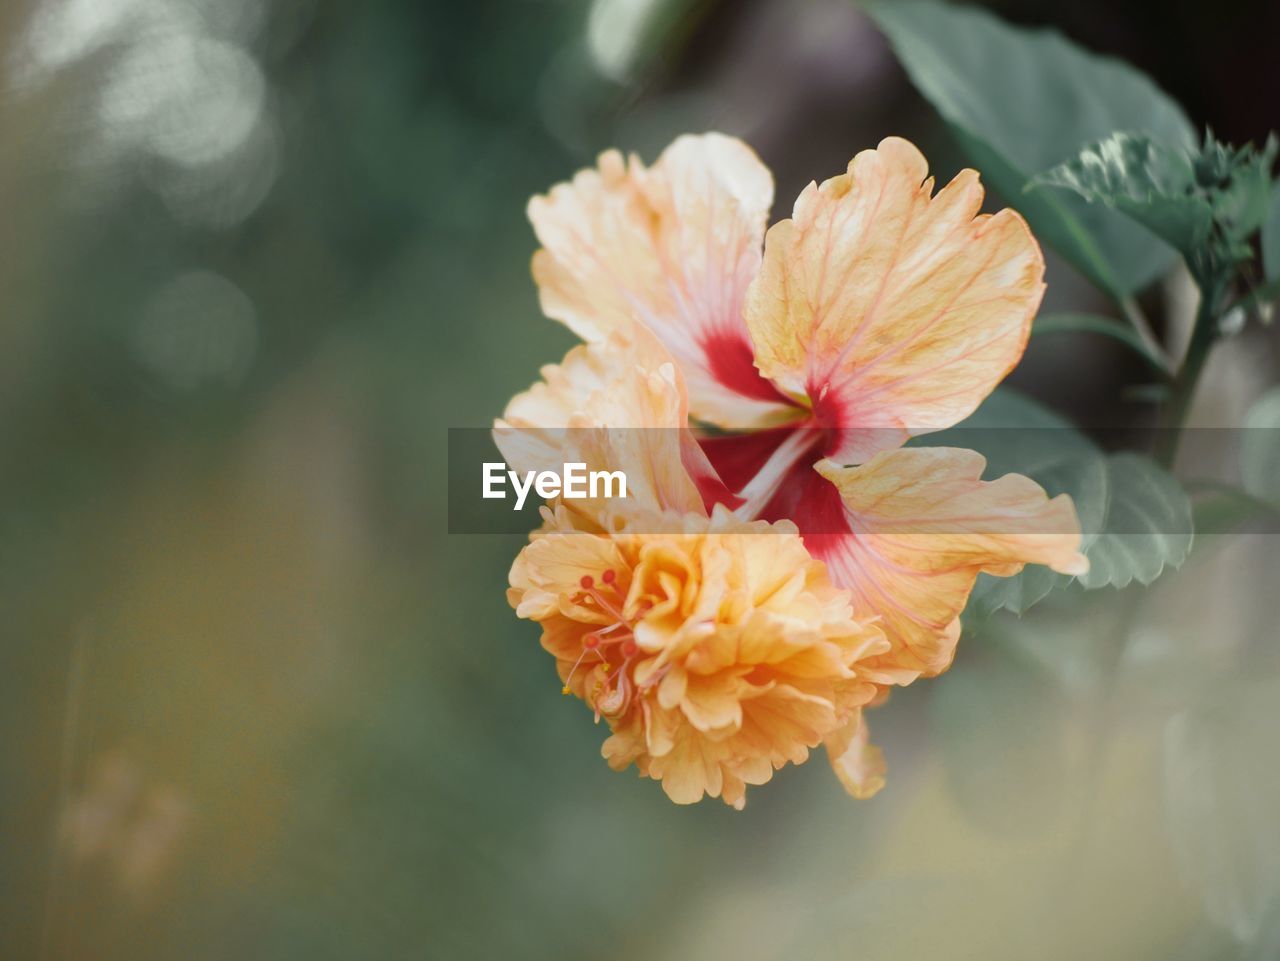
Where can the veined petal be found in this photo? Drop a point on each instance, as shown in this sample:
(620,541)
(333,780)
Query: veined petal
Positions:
(857,762)
(714,704)
(673,247)
(614,405)
(782,724)
(626,744)
(690,768)
(916,527)
(894,311)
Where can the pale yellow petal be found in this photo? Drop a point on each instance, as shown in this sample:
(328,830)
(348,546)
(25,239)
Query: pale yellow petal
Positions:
(691,769)
(919,525)
(858,764)
(673,247)
(894,311)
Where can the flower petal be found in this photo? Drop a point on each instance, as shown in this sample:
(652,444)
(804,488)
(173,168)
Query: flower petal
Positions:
(551,564)
(894,312)
(674,247)
(916,527)
(858,763)
(714,704)
(782,724)
(691,768)
(614,405)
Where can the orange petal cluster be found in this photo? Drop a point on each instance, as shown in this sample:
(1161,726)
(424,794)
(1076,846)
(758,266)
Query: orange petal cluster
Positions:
(716,649)
(756,592)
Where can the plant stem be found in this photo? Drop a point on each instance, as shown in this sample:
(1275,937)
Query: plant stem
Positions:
(1146,335)
(1188,378)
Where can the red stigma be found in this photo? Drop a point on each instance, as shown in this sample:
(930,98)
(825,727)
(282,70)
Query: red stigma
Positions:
(608,576)
(629,648)
(587,582)
(591,642)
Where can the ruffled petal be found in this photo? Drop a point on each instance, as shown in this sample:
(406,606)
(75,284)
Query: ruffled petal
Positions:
(857,762)
(614,405)
(674,247)
(782,724)
(691,768)
(625,745)
(914,529)
(714,704)
(894,311)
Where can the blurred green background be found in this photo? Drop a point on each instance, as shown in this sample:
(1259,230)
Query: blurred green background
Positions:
(257,703)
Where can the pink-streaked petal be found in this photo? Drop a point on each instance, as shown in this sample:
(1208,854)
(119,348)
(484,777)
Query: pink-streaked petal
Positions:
(908,533)
(894,311)
(857,762)
(674,247)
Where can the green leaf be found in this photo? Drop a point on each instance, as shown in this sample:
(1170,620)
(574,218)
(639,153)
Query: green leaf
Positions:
(1097,324)
(1146,528)
(1260,449)
(1271,236)
(1220,508)
(1205,204)
(1238,181)
(1019,436)
(1135,518)
(1085,478)
(1147,181)
(1018,593)
(1021,101)
(1015,434)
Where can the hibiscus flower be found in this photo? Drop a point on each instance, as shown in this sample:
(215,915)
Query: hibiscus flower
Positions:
(878,312)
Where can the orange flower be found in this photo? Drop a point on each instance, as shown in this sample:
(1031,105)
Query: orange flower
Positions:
(880,311)
(716,649)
